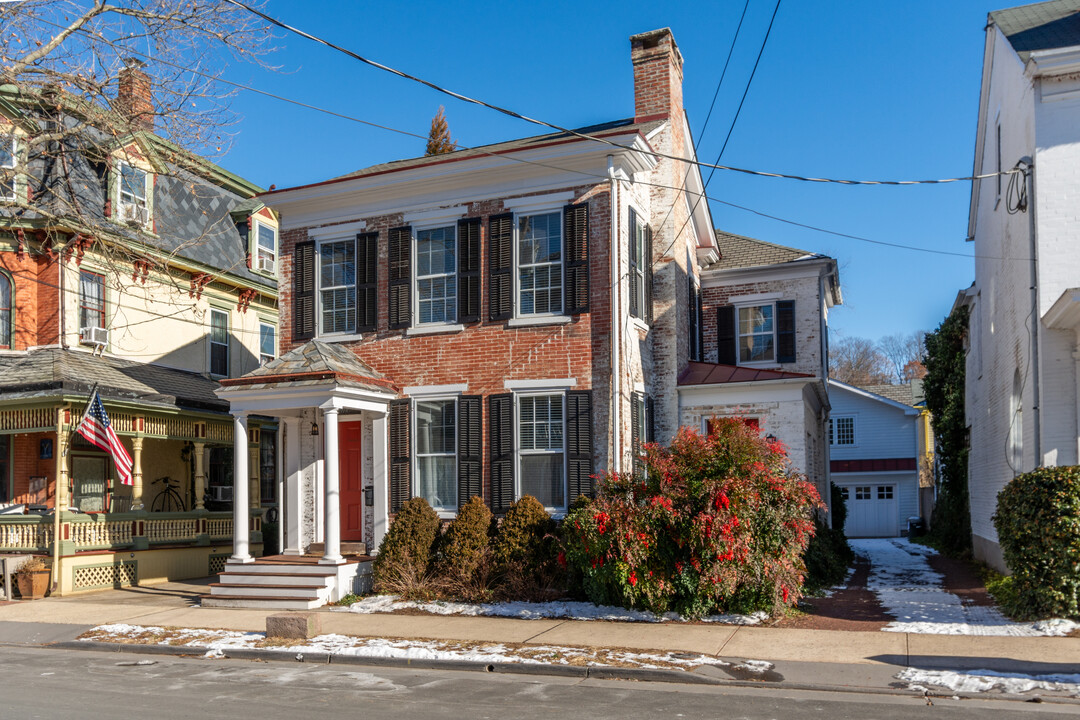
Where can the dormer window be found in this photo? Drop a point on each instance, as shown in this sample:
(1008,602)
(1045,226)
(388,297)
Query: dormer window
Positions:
(134,207)
(266,248)
(7,167)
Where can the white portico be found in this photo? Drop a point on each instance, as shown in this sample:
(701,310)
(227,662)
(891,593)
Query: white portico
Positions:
(333,411)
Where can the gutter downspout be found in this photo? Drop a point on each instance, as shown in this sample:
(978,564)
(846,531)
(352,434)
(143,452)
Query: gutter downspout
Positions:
(616,367)
(1035,319)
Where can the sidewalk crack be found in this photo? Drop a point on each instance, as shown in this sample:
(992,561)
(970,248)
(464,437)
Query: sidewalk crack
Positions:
(530,639)
(725,643)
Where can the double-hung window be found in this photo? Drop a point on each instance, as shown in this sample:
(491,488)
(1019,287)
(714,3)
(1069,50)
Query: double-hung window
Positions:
(5,321)
(265,247)
(539,264)
(8,147)
(91,301)
(337,286)
(436,276)
(267,342)
(757,333)
(435,453)
(639,271)
(219,342)
(842,430)
(134,206)
(542,449)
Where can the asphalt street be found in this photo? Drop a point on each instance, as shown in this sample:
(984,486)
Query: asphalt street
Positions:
(60,684)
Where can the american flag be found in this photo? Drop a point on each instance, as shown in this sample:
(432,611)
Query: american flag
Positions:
(96,428)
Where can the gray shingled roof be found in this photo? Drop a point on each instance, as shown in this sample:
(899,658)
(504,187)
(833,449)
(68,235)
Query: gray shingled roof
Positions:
(315,361)
(54,372)
(1042,26)
(909,393)
(520,144)
(738,251)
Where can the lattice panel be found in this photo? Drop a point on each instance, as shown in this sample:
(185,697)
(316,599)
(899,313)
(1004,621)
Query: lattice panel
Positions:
(217,564)
(28,419)
(105,576)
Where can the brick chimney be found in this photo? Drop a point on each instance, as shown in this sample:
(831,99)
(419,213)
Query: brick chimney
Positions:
(658,75)
(134,99)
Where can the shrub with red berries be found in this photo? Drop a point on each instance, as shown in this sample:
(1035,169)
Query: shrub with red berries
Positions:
(714,523)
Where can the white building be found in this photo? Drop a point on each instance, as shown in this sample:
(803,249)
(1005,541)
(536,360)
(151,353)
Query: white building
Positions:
(1023,368)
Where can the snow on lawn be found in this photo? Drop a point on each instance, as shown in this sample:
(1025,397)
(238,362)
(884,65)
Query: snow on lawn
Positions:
(571,610)
(216,644)
(986,680)
(912,592)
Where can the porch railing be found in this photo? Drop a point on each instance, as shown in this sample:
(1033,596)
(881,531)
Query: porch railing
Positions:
(113,531)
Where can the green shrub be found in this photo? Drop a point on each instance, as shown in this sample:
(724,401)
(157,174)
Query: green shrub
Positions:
(465,542)
(827,557)
(715,523)
(523,537)
(405,551)
(1038,526)
(839,507)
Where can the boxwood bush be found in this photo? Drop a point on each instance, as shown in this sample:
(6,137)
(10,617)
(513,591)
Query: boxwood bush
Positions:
(405,551)
(1038,526)
(465,541)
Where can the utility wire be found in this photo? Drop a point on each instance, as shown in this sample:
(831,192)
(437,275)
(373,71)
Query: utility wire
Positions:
(587,136)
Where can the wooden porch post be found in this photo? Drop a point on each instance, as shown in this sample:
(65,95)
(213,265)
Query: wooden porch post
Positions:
(241,519)
(332,481)
(380,479)
(136,472)
(200,474)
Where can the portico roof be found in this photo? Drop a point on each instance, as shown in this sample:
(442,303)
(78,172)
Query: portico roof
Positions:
(703,373)
(313,363)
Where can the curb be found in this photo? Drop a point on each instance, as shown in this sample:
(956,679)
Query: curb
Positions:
(685,677)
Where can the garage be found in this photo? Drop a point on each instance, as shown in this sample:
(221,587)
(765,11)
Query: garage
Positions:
(872,509)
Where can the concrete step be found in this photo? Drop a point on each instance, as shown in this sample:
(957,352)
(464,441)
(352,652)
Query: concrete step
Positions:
(274,602)
(306,592)
(270,579)
(347,548)
(261,568)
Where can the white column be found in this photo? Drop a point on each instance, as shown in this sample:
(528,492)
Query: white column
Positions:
(293,501)
(380,481)
(241,520)
(331,471)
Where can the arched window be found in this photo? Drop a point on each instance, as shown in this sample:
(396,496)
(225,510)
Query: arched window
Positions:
(5,311)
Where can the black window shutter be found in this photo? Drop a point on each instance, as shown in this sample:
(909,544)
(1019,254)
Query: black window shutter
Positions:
(725,335)
(400,442)
(637,404)
(785,331)
(469,270)
(500,266)
(367,281)
(579,444)
(648,276)
(501,430)
(470,461)
(700,325)
(304,290)
(576,258)
(635,263)
(400,277)
(650,420)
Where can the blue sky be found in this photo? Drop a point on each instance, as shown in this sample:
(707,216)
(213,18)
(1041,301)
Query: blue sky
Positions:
(846,88)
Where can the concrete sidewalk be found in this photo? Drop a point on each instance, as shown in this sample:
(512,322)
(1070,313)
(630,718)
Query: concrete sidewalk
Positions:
(853,660)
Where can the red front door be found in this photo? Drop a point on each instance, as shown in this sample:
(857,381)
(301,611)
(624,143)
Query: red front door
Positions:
(352,491)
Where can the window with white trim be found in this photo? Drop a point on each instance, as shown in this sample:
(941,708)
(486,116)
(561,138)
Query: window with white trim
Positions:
(8,155)
(219,342)
(756,328)
(435,452)
(539,264)
(337,286)
(541,448)
(132,195)
(266,237)
(6,324)
(91,301)
(842,430)
(436,275)
(267,342)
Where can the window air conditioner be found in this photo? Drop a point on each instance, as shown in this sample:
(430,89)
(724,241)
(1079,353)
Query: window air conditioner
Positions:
(134,214)
(266,264)
(220,493)
(97,336)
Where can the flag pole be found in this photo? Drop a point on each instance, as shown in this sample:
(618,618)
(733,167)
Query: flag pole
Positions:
(61,460)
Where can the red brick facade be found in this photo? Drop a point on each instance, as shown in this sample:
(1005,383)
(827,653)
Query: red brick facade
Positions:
(35,298)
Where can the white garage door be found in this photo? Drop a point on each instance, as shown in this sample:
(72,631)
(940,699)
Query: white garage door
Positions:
(871,510)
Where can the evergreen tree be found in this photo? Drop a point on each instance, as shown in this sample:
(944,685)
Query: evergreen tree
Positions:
(439,141)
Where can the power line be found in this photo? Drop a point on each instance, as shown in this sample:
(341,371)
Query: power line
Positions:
(587,136)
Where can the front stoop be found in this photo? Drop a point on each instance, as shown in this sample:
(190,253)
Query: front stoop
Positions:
(288,582)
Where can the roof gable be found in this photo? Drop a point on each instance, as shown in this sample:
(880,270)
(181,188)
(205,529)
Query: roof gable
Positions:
(739,251)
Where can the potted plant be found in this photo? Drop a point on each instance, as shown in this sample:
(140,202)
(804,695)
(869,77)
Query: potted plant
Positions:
(32,578)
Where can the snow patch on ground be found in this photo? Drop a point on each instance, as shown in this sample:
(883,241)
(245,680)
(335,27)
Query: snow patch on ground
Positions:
(569,610)
(978,681)
(912,592)
(217,643)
